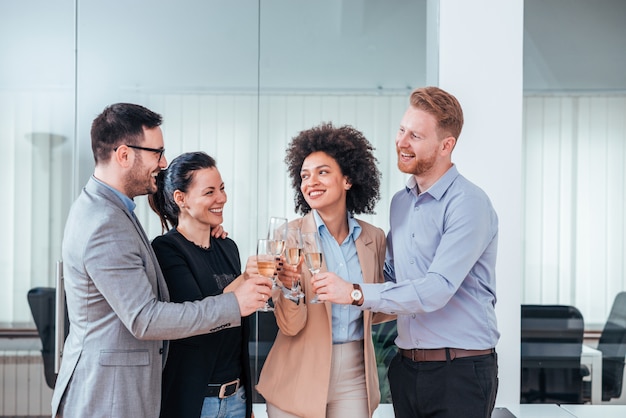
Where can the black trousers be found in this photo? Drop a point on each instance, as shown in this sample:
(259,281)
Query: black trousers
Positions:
(463,387)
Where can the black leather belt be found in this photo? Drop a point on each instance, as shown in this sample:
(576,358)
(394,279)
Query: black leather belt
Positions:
(222,391)
(439,354)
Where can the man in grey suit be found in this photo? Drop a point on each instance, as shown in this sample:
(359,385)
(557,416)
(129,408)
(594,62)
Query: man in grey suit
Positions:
(117,298)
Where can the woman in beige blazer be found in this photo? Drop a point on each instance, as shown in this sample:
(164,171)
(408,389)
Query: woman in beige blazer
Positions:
(322,362)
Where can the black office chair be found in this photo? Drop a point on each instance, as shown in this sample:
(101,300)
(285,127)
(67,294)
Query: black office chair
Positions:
(42,302)
(612,344)
(552,337)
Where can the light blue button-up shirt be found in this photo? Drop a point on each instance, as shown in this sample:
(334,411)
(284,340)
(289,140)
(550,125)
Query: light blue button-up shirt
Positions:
(343,260)
(440,266)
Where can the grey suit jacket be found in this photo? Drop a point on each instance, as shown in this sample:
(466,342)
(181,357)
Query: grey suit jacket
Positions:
(119,314)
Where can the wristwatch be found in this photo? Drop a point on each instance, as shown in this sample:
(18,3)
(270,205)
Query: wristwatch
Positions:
(357,295)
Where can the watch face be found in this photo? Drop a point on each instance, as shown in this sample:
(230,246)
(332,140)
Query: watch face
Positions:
(356,294)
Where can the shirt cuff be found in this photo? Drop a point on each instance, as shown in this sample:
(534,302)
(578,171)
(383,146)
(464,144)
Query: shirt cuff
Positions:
(371,295)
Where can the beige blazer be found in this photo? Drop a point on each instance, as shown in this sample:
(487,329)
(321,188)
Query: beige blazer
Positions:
(296,374)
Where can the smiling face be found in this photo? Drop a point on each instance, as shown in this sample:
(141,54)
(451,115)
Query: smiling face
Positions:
(417,142)
(323,184)
(202,205)
(422,149)
(146,165)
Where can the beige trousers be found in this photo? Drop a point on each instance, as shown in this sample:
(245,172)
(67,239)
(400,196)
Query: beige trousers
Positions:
(347,393)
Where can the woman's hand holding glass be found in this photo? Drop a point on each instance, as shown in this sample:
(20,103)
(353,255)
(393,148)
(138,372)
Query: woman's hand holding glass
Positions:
(289,272)
(277,232)
(266,264)
(293,258)
(312,247)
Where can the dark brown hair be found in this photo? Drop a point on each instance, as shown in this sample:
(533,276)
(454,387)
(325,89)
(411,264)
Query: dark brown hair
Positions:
(177,176)
(120,123)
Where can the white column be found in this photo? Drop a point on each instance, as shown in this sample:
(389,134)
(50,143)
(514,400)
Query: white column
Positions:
(479,60)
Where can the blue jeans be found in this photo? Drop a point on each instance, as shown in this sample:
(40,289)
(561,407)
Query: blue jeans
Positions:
(231,407)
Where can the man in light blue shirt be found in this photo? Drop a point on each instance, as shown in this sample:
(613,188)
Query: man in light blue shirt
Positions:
(439,271)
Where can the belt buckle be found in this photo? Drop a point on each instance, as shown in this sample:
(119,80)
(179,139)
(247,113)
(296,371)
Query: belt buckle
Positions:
(223,389)
(418,355)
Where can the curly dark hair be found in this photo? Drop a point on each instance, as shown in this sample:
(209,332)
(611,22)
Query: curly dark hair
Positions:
(354,155)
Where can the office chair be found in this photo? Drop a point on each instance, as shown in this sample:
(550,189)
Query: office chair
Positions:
(42,302)
(551,337)
(612,344)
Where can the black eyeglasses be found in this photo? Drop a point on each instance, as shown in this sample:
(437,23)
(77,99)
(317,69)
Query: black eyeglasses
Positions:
(159,151)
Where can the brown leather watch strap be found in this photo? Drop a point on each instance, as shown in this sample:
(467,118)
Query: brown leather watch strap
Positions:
(358,302)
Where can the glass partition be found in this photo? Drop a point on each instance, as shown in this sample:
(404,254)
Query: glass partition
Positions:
(350,63)
(37,107)
(235,78)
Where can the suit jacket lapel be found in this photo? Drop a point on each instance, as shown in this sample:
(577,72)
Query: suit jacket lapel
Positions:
(95,187)
(163,293)
(367,255)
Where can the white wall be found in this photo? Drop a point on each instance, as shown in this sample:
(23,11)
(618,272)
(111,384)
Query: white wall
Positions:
(480,62)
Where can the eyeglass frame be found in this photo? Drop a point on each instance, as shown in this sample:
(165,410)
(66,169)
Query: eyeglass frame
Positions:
(159,151)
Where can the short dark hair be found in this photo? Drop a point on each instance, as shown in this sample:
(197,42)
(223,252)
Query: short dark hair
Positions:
(120,123)
(354,155)
(177,176)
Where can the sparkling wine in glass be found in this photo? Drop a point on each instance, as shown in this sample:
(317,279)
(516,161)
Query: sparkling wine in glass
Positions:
(277,232)
(312,248)
(293,252)
(266,264)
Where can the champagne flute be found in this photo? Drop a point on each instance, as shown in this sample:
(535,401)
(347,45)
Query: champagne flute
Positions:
(293,251)
(266,264)
(277,232)
(312,256)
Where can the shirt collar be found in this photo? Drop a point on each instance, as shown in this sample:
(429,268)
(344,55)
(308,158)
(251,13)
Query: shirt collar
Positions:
(438,189)
(354,229)
(127,201)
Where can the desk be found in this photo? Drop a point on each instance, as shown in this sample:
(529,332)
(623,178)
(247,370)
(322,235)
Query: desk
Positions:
(537,410)
(592,358)
(595,411)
